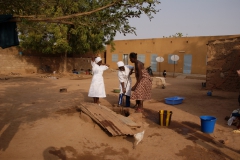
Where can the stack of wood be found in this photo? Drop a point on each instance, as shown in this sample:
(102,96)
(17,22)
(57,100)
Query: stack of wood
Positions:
(116,124)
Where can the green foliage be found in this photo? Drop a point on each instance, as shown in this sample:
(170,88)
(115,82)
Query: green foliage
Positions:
(176,35)
(179,34)
(44,37)
(75,26)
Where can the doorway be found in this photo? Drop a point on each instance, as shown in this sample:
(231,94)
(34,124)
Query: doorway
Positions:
(125,59)
(187,64)
(154,62)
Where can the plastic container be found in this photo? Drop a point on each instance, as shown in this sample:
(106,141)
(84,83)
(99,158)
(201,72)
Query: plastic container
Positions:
(208,123)
(209,93)
(116,90)
(121,100)
(165,117)
(174,100)
(75,72)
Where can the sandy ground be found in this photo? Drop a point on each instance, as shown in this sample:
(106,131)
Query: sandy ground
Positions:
(37,122)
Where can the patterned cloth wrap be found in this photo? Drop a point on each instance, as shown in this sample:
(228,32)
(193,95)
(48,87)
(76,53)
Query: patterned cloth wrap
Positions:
(144,87)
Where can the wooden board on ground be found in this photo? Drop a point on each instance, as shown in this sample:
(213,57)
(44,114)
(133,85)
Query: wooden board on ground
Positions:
(116,124)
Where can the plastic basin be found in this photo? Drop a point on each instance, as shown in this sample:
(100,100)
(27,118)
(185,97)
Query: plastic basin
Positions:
(174,100)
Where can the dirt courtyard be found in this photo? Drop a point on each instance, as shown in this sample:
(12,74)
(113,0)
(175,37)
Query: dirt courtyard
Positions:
(37,122)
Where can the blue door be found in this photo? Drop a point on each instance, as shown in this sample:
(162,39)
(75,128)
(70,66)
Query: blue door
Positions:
(187,63)
(153,62)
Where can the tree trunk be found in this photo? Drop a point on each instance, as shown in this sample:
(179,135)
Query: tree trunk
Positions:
(65,63)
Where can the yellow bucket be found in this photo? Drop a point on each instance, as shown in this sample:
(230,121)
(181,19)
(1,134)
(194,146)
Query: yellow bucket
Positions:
(165,117)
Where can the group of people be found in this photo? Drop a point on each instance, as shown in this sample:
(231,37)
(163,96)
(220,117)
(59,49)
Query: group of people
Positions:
(139,92)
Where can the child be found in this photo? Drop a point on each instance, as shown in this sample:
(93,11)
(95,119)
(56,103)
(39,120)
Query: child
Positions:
(164,73)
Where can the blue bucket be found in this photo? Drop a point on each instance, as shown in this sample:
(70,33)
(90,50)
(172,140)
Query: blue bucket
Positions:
(208,123)
(209,93)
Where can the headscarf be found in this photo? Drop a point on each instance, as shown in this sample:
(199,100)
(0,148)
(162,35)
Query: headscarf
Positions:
(120,64)
(98,59)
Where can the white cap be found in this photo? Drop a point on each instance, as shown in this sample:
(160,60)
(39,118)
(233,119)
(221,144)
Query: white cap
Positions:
(120,64)
(98,59)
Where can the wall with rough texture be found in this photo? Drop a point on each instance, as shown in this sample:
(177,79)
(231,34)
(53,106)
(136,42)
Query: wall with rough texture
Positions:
(12,61)
(223,59)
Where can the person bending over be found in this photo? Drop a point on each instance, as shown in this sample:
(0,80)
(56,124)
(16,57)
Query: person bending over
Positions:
(142,88)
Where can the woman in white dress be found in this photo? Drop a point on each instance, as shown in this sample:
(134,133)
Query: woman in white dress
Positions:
(125,82)
(97,87)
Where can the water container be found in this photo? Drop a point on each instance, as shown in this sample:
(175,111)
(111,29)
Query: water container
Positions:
(165,117)
(208,123)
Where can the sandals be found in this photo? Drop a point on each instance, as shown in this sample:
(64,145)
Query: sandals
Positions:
(139,110)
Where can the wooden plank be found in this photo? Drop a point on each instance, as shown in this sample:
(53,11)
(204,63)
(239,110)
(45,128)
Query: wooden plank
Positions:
(124,119)
(83,109)
(129,122)
(111,126)
(95,111)
(109,119)
(108,125)
(116,124)
(90,115)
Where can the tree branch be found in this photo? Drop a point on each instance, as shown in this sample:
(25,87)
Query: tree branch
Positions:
(54,20)
(46,20)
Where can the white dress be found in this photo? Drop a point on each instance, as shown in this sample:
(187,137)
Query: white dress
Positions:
(123,77)
(97,87)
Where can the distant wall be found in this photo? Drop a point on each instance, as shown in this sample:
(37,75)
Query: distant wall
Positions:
(222,62)
(148,49)
(12,61)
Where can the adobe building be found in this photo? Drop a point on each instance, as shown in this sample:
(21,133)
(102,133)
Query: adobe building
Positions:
(222,63)
(192,52)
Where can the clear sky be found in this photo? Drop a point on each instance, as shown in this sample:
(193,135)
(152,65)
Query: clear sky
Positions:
(189,17)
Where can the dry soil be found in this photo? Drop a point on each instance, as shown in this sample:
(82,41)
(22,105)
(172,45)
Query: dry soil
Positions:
(37,122)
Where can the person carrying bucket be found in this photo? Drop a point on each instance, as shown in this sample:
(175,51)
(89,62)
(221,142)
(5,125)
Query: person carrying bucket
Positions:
(125,81)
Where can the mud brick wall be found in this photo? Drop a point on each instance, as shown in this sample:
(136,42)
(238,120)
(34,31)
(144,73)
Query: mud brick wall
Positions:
(223,59)
(12,61)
